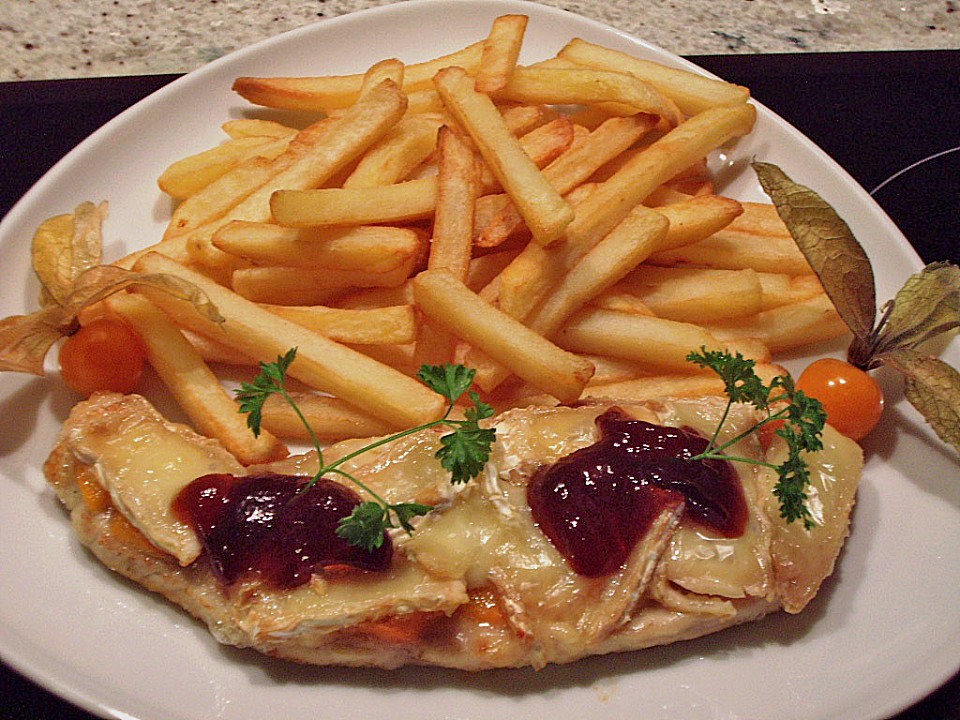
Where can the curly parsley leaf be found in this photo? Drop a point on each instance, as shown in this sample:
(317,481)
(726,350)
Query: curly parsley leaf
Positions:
(449,380)
(464,452)
(741,383)
(365,526)
(802,418)
(269,381)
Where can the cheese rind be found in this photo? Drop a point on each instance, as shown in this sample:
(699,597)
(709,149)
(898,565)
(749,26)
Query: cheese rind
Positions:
(143,461)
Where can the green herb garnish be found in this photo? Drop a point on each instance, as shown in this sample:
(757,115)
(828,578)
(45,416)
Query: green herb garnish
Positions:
(800,419)
(463,452)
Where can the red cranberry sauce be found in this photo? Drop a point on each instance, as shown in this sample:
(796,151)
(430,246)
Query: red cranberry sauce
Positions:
(596,503)
(265,524)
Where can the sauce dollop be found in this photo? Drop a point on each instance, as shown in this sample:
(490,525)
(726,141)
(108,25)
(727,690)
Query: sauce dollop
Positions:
(266,524)
(596,503)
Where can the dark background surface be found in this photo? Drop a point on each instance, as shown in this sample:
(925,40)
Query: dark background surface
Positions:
(881,115)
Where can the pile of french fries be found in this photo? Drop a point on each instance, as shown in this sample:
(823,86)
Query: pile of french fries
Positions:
(553,226)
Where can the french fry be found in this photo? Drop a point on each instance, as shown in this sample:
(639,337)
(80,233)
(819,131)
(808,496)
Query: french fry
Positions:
(500,52)
(697,295)
(606,263)
(760,219)
(659,162)
(449,303)
(457,188)
(523,283)
(256,127)
(213,351)
(188,176)
(588,86)
(782,289)
(654,387)
(321,363)
(734,250)
(399,357)
(216,199)
(609,369)
(398,154)
(544,210)
(612,258)
(334,92)
(331,147)
(329,418)
(786,327)
(376,297)
(521,119)
(654,342)
(423,102)
(225,193)
(326,207)
(693,93)
(192,383)
(451,245)
(279,285)
(395,324)
(407,201)
(485,268)
(697,218)
(371,248)
(625,302)
(572,168)
(389,69)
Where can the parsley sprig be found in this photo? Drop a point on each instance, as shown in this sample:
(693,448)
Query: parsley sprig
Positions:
(800,418)
(463,452)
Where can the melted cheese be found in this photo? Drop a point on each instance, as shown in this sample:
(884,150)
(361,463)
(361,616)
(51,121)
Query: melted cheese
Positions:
(143,461)
(804,558)
(321,607)
(705,563)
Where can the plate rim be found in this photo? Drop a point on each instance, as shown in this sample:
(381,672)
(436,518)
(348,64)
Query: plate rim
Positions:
(331,25)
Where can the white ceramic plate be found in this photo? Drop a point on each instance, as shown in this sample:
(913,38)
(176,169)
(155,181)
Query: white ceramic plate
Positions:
(884,631)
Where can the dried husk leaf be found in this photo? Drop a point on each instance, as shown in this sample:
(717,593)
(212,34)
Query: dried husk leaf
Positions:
(829,246)
(927,305)
(26,339)
(104,280)
(66,246)
(933,388)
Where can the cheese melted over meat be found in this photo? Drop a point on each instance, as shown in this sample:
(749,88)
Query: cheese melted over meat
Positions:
(478,585)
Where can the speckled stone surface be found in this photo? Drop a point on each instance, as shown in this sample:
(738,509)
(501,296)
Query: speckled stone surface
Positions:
(47,39)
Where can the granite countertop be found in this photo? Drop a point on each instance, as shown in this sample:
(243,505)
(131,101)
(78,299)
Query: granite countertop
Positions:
(50,39)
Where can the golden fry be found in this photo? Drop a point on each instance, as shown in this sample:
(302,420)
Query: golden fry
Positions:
(588,86)
(734,250)
(693,93)
(607,262)
(786,327)
(330,419)
(370,248)
(697,295)
(500,52)
(449,303)
(394,324)
(321,363)
(545,211)
(341,91)
(188,176)
(656,164)
(309,286)
(192,383)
